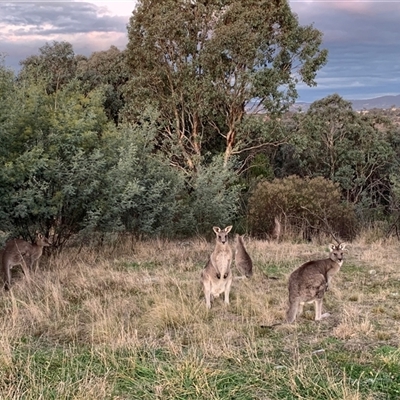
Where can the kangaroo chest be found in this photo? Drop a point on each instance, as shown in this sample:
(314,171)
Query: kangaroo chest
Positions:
(223,257)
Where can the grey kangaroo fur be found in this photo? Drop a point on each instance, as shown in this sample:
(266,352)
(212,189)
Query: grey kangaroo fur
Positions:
(309,282)
(242,259)
(276,232)
(20,252)
(217,277)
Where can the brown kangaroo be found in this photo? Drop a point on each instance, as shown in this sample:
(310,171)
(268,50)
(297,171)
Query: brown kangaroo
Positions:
(243,261)
(309,282)
(20,252)
(216,277)
(276,232)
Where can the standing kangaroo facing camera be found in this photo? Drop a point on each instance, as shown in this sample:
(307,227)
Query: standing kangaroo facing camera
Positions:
(216,277)
(309,282)
(20,252)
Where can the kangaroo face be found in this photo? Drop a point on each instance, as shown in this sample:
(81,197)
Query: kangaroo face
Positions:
(222,234)
(42,240)
(336,253)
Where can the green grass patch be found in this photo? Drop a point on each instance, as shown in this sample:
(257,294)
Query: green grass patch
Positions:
(276,270)
(137,266)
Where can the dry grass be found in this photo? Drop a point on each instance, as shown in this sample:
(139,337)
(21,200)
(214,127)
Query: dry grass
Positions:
(129,321)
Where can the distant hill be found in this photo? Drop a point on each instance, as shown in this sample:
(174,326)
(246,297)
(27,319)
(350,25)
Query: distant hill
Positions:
(382,102)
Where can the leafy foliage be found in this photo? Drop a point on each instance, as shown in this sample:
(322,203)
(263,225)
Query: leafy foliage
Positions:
(346,147)
(215,196)
(67,170)
(55,65)
(311,205)
(52,154)
(202,63)
(105,68)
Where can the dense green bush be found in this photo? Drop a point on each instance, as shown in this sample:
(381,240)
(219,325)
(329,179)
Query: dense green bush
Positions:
(215,196)
(67,169)
(312,206)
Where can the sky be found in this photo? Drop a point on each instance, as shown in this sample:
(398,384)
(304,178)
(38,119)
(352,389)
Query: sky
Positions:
(362,37)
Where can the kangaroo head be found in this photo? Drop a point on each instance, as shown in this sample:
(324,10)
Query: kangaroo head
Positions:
(222,234)
(42,240)
(336,252)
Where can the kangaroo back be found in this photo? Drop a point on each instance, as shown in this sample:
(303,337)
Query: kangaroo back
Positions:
(276,232)
(242,259)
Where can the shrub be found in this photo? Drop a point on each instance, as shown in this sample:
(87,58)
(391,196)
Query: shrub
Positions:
(310,206)
(215,196)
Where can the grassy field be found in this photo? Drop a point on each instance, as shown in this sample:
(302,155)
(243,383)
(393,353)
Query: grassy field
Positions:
(129,322)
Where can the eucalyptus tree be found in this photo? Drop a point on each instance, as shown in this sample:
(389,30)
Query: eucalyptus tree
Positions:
(204,63)
(348,147)
(55,65)
(7,91)
(106,68)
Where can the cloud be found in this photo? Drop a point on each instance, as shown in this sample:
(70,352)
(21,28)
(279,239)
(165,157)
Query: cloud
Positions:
(25,27)
(50,18)
(362,40)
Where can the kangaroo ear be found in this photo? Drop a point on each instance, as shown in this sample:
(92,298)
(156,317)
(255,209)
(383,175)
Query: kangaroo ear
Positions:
(342,246)
(216,229)
(228,228)
(332,246)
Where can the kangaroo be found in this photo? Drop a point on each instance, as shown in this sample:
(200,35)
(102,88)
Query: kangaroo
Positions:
(20,252)
(242,259)
(276,232)
(309,282)
(216,277)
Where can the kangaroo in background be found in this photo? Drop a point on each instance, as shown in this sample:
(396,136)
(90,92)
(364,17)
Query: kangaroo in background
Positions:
(242,259)
(20,252)
(216,277)
(309,282)
(277,230)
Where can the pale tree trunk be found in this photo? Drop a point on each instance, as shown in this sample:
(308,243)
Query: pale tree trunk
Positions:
(234,118)
(230,142)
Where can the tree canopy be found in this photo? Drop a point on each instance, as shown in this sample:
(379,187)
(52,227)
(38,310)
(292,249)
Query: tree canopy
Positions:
(204,63)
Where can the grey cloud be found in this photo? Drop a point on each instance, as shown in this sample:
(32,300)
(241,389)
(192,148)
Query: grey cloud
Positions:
(362,40)
(62,18)
(27,26)
(373,23)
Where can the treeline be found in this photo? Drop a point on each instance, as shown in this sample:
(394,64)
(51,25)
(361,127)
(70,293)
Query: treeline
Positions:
(187,128)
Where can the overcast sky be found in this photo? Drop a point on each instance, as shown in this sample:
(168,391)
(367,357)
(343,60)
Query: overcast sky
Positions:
(363,38)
